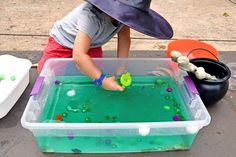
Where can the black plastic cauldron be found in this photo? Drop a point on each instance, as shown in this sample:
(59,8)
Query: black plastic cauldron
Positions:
(211,91)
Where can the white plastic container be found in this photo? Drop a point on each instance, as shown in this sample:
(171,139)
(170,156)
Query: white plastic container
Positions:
(14,78)
(63,137)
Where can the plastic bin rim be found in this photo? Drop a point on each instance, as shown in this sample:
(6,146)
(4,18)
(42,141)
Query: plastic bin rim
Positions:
(61,126)
(83,126)
(105,59)
(113,58)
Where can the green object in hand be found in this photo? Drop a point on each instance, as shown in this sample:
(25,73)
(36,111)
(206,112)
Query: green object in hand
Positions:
(126,79)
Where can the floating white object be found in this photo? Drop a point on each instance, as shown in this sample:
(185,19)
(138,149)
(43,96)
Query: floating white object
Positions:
(71,93)
(144,131)
(14,79)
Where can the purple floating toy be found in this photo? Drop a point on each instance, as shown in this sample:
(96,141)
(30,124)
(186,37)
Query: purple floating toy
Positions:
(57,82)
(70,135)
(169,89)
(176,118)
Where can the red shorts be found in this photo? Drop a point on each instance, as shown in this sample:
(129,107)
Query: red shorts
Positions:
(55,50)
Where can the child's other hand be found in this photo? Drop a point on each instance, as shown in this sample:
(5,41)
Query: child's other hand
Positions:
(111,84)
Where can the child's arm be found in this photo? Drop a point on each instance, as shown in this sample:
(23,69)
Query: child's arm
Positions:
(80,56)
(123,45)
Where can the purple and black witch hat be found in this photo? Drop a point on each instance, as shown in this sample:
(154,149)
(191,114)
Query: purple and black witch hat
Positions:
(137,15)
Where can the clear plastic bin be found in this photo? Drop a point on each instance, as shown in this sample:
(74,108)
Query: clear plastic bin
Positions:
(54,137)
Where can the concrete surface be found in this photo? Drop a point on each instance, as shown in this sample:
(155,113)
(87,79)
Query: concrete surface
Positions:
(216,140)
(24,24)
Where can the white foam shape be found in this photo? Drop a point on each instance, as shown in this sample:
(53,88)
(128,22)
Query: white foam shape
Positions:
(144,131)
(71,93)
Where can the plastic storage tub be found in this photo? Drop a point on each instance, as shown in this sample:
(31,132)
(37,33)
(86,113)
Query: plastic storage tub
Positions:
(14,78)
(119,137)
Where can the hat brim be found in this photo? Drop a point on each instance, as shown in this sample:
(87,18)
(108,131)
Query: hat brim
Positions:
(146,22)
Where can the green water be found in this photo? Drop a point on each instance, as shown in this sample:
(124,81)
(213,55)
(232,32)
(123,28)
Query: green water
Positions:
(148,99)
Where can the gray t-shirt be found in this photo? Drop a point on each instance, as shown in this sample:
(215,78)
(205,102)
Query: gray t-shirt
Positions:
(87,19)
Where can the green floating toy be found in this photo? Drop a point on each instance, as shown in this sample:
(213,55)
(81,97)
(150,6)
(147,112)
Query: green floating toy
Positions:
(126,79)
(2,77)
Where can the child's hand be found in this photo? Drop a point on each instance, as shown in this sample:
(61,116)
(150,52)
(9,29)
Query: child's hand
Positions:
(109,83)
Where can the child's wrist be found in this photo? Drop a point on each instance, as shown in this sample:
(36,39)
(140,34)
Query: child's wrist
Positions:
(98,81)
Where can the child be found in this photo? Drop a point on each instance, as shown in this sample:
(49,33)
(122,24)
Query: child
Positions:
(83,31)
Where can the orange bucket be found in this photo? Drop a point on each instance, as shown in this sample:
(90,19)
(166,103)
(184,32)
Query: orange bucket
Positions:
(193,49)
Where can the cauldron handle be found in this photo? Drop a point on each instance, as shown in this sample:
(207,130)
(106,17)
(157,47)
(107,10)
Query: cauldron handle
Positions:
(203,50)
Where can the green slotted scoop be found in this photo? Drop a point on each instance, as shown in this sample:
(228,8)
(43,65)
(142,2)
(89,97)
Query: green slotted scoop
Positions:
(126,79)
